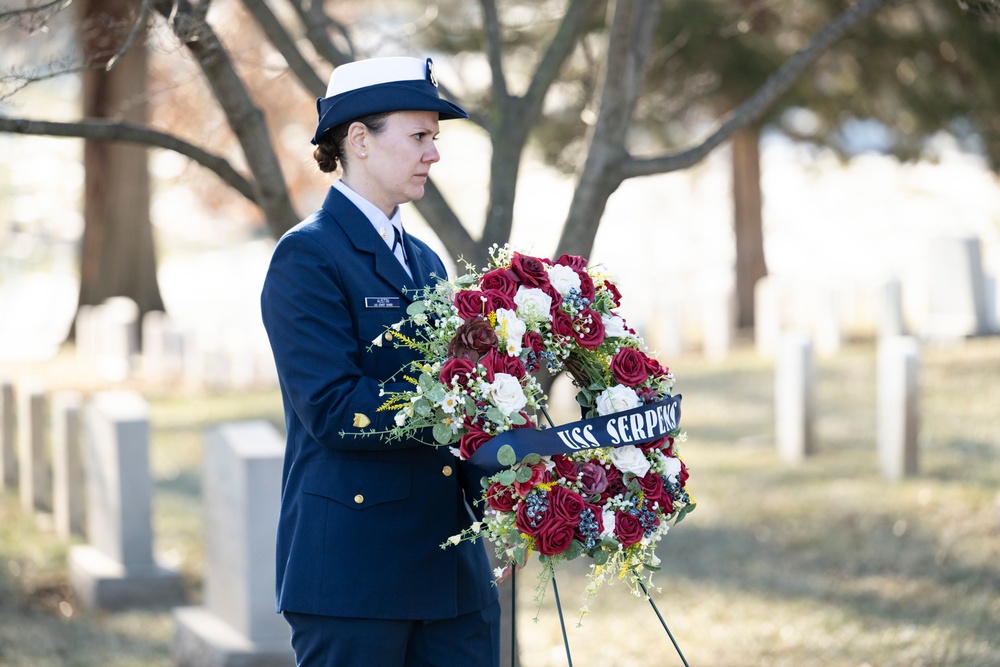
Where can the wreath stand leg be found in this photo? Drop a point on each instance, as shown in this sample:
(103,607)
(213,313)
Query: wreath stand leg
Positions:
(513,617)
(562,622)
(664,624)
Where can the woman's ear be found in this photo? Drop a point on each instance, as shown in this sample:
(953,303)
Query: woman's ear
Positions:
(357,139)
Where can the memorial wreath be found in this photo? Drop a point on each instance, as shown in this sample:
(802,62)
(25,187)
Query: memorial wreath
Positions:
(606,487)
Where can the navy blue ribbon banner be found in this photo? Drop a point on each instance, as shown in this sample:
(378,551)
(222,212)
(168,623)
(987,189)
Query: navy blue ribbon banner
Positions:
(631,427)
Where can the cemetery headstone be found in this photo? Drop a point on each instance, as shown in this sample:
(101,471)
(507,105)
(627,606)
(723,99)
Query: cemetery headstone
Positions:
(8,448)
(116,569)
(34,479)
(793,397)
(898,405)
(241,488)
(67,465)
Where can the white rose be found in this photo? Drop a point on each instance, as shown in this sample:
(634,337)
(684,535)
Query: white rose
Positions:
(671,467)
(614,326)
(563,278)
(630,459)
(533,303)
(506,393)
(617,399)
(608,519)
(511,330)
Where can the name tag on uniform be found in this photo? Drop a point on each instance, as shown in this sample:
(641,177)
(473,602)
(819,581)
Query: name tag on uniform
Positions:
(381,302)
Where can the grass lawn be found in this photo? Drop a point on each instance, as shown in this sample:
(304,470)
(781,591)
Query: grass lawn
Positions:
(819,564)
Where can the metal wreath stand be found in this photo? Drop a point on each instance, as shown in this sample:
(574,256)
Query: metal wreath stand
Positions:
(555,590)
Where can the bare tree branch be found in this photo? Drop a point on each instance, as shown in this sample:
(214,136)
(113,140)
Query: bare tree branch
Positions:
(494,52)
(316,22)
(286,46)
(137,27)
(243,116)
(131,133)
(754,107)
(40,12)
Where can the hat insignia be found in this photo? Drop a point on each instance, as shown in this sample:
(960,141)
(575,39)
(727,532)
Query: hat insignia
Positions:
(430,73)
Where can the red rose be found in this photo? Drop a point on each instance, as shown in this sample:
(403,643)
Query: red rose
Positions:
(473,339)
(554,295)
(500,280)
(654,368)
(682,478)
(529,269)
(615,483)
(616,296)
(538,475)
(586,285)
(566,505)
(500,498)
(591,329)
(470,441)
(564,467)
(500,362)
(574,262)
(469,303)
(628,528)
(628,366)
(457,371)
(554,538)
(495,300)
(562,325)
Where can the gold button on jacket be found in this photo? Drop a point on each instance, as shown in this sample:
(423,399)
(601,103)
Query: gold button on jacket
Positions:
(446,471)
(359,499)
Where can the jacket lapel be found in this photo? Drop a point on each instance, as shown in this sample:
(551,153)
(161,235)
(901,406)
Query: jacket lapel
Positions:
(362,235)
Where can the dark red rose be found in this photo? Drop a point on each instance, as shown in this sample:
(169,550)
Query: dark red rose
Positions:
(457,371)
(562,325)
(564,467)
(532,340)
(500,280)
(500,498)
(682,478)
(591,329)
(628,528)
(470,441)
(554,538)
(652,487)
(628,366)
(566,505)
(529,269)
(586,285)
(501,362)
(592,476)
(654,368)
(473,339)
(574,262)
(495,300)
(554,295)
(616,296)
(615,483)
(470,303)
(649,446)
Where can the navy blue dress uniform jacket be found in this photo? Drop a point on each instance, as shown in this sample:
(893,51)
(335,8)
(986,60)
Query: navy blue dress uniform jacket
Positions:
(362,519)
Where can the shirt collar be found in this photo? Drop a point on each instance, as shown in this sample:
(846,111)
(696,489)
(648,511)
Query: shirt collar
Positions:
(383,225)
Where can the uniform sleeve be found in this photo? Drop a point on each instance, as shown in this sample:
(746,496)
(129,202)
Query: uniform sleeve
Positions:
(316,349)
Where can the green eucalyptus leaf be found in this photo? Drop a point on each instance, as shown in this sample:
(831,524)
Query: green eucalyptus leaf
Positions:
(416,308)
(506,456)
(576,549)
(524,474)
(520,555)
(531,459)
(507,477)
(442,433)
(601,557)
(517,419)
(426,381)
(494,415)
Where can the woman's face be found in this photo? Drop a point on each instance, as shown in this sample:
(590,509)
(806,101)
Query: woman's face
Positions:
(397,160)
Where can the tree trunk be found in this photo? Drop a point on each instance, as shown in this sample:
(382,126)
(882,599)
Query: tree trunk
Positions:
(747,222)
(117,254)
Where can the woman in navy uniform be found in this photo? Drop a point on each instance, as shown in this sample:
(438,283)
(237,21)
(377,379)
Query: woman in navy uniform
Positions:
(361,576)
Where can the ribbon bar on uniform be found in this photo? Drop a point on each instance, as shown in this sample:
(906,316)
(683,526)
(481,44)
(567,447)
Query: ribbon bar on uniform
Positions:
(631,427)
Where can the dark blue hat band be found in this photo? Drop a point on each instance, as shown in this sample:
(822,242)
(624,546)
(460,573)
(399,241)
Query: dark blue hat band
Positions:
(409,95)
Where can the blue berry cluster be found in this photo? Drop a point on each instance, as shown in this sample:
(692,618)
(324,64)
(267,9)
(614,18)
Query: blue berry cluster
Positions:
(537,502)
(675,491)
(535,360)
(576,299)
(646,516)
(589,528)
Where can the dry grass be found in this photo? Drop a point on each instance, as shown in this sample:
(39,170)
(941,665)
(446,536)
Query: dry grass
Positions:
(820,564)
